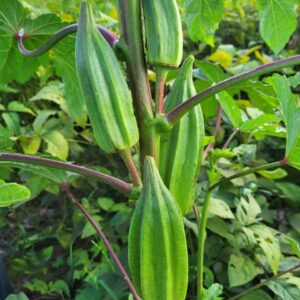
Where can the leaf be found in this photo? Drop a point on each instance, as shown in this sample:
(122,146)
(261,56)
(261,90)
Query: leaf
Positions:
(247,211)
(56,144)
(256,295)
(213,292)
(274,174)
(283,290)
(269,244)
(13,18)
(294,245)
(295,222)
(202,18)
(220,208)
(6,142)
(220,227)
(291,115)
(290,191)
(241,270)
(265,124)
(30,145)
(230,108)
(11,193)
(20,296)
(19,107)
(278,21)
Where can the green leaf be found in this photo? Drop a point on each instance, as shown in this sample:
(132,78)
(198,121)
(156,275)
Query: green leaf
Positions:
(6,142)
(213,292)
(274,174)
(11,193)
(56,144)
(294,245)
(284,290)
(265,124)
(269,244)
(202,18)
(230,108)
(291,115)
(278,21)
(20,296)
(290,190)
(13,18)
(241,270)
(257,295)
(247,211)
(19,107)
(220,208)
(295,222)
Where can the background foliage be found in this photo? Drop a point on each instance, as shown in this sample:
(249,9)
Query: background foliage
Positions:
(254,223)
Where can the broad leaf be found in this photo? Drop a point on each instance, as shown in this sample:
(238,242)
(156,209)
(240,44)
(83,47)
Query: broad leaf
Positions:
(13,18)
(202,18)
(278,21)
(284,290)
(11,193)
(56,144)
(256,295)
(291,114)
(241,270)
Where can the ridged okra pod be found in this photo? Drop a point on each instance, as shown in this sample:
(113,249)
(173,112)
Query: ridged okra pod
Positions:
(158,257)
(181,149)
(104,87)
(163,31)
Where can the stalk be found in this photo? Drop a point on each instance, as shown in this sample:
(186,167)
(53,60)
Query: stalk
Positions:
(104,239)
(118,184)
(178,112)
(161,75)
(131,27)
(131,167)
(110,37)
(204,214)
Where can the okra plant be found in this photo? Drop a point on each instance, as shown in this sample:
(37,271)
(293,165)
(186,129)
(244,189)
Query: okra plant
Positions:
(160,136)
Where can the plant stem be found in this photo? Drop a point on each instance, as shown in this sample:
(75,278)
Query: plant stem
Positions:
(230,138)
(131,167)
(204,214)
(179,111)
(110,37)
(216,133)
(161,75)
(118,184)
(201,243)
(130,23)
(104,239)
(257,286)
(249,171)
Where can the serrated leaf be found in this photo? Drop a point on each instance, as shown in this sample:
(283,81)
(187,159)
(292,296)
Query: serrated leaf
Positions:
(11,193)
(202,18)
(291,115)
(241,270)
(278,21)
